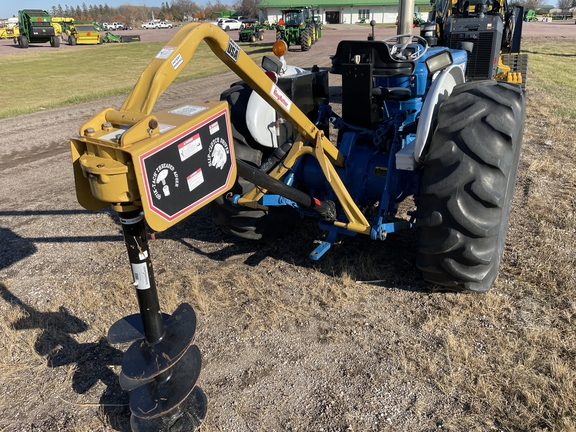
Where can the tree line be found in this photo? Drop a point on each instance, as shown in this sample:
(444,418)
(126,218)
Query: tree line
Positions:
(176,10)
(536,5)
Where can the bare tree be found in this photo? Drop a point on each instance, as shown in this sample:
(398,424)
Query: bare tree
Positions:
(564,5)
(533,4)
(184,9)
(210,9)
(130,13)
(199,15)
(247,8)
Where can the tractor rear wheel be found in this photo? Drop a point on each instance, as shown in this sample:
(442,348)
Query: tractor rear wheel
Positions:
(244,222)
(55,41)
(253,38)
(72,40)
(305,39)
(467,185)
(282,36)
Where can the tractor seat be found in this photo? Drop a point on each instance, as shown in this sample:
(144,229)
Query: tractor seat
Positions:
(376,53)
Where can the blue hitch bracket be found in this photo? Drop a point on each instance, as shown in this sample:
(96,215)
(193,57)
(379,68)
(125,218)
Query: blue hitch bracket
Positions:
(333,232)
(380,231)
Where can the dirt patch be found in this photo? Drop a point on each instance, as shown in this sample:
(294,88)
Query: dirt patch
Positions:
(287,343)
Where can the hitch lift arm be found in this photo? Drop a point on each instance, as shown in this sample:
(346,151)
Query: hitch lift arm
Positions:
(169,62)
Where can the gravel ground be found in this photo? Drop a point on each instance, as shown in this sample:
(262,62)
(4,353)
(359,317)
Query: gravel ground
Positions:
(329,358)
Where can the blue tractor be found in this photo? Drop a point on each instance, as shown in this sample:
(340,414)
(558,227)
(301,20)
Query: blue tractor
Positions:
(419,122)
(422,122)
(433,121)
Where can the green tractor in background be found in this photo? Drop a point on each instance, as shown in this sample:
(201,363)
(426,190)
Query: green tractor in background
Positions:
(110,37)
(36,27)
(530,16)
(299,26)
(253,31)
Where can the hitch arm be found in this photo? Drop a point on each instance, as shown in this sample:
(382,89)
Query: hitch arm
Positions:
(168,63)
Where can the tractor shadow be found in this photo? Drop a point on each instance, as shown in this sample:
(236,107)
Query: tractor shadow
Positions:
(92,360)
(14,248)
(389,263)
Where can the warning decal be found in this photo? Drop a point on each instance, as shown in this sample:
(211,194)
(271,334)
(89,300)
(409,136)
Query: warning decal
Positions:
(165,52)
(195,179)
(190,147)
(177,61)
(189,170)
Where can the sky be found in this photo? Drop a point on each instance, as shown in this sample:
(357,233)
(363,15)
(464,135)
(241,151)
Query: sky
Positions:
(10,7)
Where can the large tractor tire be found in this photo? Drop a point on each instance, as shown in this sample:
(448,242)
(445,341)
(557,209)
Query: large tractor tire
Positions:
(305,39)
(244,222)
(72,40)
(467,185)
(55,42)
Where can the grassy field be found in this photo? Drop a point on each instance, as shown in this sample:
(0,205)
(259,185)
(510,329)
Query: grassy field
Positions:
(551,70)
(64,77)
(55,79)
(503,361)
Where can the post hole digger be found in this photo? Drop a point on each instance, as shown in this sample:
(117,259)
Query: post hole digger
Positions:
(411,128)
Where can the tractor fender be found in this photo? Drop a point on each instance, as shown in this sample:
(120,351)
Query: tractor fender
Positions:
(439,91)
(261,117)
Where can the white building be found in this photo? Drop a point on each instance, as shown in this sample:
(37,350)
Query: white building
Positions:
(344,11)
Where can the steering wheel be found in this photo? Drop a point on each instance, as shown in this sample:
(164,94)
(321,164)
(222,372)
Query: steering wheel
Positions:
(398,50)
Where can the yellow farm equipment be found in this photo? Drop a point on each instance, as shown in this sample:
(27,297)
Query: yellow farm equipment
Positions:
(11,32)
(60,24)
(83,34)
(76,34)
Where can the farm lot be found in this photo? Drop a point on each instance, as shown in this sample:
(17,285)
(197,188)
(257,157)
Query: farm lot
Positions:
(355,341)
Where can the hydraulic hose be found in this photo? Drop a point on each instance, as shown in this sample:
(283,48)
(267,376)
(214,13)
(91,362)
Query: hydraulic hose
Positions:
(325,209)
